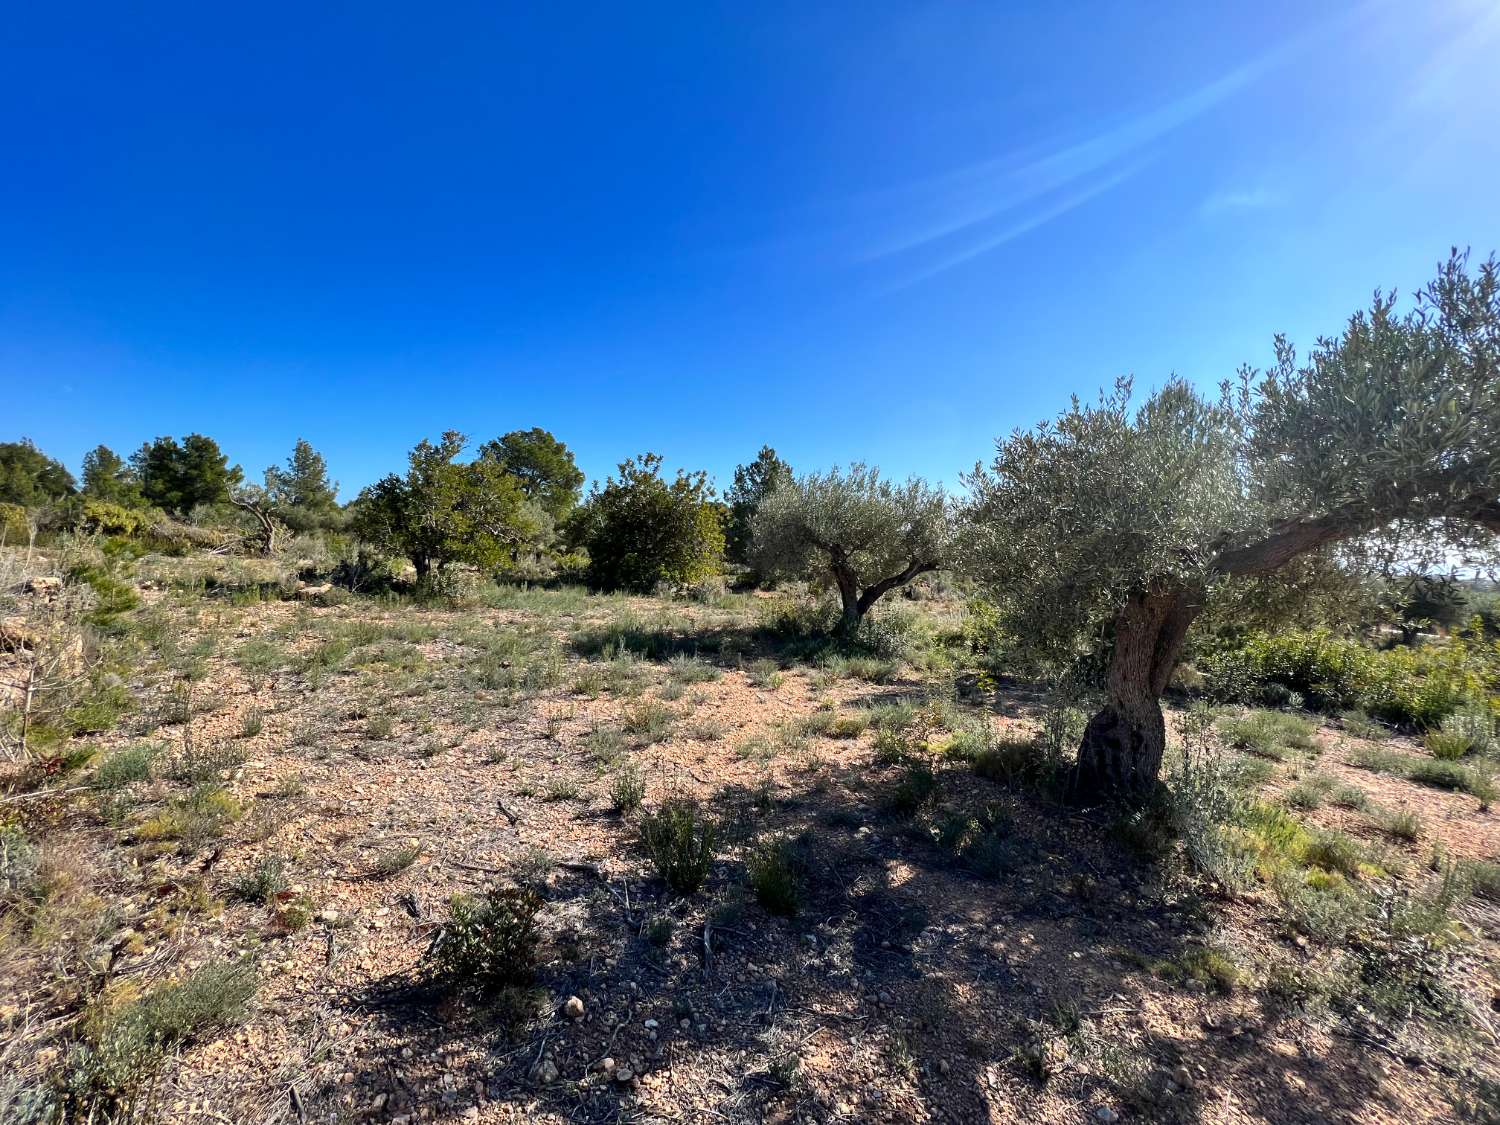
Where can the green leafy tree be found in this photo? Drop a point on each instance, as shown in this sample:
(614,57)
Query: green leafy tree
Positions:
(752,484)
(444,511)
(107,477)
(640,529)
(300,492)
(857,531)
(1115,527)
(178,478)
(29,477)
(543,466)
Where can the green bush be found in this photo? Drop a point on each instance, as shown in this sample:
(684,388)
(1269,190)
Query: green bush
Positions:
(1271,734)
(628,789)
(488,942)
(681,842)
(1417,687)
(1447,745)
(775,869)
(111,1073)
(125,766)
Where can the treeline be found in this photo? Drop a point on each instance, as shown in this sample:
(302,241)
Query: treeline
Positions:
(1101,536)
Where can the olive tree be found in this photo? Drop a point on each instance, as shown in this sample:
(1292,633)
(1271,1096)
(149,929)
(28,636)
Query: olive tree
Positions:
(1114,528)
(863,533)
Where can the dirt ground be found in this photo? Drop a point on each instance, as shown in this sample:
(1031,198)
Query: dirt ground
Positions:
(907,987)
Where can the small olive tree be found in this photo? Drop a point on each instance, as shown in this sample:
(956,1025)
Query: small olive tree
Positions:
(865,534)
(1114,528)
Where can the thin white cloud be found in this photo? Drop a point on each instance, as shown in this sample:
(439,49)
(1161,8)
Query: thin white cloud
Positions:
(1242,199)
(939,222)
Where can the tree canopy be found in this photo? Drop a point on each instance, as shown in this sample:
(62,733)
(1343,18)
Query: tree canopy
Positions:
(178,478)
(1114,526)
(863,533)
(444,511)
(752,484)
(542,465)
(300,492)
(29,477)
(107,477)
(640,529)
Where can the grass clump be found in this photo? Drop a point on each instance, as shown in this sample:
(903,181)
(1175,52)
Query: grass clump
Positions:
(195,818)
(1349,797)
(489,942)
(393,861)
(765,674)
(917,788)
(262,883)
(628,789)
(681,841)
(1310,792)
(111,1074)
(1401,824)
(776,869)
(649,720)
(684,669)
(1360,725)
(125,766)
(1271,734)
(1448,745)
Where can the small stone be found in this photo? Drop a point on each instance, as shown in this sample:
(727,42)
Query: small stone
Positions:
(624,1074)
(1105,1116)
(328,916)
(943,1066)
(651,1025)
(607,1065)
(573,1008)
(886,998)
(1183,1077)
(545,1072)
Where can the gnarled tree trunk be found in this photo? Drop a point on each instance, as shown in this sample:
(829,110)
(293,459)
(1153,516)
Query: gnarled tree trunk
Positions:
(1123,744)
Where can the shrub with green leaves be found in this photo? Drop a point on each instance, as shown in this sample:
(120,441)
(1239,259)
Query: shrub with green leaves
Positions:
(111,1073)
(261,883)
(681,841)
(776,870)
(133,763)
(1271,734)
(628,789)
(489,942)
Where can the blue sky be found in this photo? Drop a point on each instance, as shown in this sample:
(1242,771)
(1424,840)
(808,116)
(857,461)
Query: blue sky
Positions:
(879,231)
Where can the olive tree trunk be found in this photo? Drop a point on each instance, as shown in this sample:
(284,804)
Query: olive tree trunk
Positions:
(1123,745)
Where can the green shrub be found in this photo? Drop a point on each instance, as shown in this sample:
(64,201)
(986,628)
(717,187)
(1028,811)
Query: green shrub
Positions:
(1271,734)
(125,766)
(1310,792)
(649,720)
(628,789)
(1448,745)
(261,883)
(488,942)
(918,786)
(111,1073)
(1475,724)
(681,842)
(1417,687)
(775,869)
(1402,824)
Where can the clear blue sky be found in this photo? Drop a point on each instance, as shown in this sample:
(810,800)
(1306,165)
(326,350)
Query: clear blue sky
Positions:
(878,230)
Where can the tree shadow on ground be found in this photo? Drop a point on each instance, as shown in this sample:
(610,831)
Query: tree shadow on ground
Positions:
(909,986)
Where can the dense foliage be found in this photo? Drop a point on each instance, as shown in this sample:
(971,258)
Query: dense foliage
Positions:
(29,477)
(180,477)
(300,493)
(856,531)
(444,511)
(752,484)
(641,529)
(542,465)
